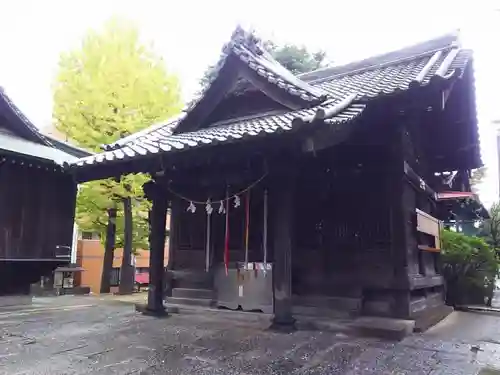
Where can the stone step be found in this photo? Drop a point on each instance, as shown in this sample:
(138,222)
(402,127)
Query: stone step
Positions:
(192,293)
(319,312)
(189,301)
(348,305)
(430,316)
(385,328)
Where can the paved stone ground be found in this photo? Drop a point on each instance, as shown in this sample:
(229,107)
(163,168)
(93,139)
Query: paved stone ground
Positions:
(86,335)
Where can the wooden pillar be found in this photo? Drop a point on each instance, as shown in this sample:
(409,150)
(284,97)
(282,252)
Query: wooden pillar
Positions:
(399,223)
(158,216)
(281,199)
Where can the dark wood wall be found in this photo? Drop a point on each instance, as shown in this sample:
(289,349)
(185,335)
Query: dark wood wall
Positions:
(355,240)
(38,207)
(342,223)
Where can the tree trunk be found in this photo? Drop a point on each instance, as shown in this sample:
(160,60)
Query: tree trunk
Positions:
(109,249)
(127,271)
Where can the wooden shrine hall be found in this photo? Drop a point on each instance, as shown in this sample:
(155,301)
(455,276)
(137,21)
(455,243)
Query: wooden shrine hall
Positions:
(37,198)
(309,194)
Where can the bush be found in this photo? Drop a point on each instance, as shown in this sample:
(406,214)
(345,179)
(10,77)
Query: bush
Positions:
(470,267)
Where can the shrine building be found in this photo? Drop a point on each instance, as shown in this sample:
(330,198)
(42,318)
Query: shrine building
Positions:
(308,194)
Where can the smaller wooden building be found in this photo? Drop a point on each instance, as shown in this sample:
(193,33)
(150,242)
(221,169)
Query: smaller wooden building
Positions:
(307,194)
(37,198)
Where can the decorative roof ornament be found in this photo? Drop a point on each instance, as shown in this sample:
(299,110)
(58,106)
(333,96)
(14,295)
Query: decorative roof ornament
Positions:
(247,38)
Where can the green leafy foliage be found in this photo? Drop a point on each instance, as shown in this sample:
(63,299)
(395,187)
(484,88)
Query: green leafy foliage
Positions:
(297,59)
(470,267)
(112,86)
(490,228)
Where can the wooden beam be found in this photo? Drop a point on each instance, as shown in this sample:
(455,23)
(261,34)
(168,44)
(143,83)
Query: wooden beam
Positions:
(429,249)
(281,199)
(418,182)
(327,135)
(226,78)
(271,90)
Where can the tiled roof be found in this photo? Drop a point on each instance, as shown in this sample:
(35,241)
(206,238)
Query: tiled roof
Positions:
(26,130)
(342,94)
(11,144)
(159,140)
(266,66)
(392,78)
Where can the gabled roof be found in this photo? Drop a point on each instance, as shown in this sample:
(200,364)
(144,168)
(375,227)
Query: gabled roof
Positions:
(249,49)
(333,95)
(20,136)
(244,57)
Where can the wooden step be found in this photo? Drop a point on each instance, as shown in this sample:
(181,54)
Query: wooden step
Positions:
(189,301)
(192,293)
(189,279)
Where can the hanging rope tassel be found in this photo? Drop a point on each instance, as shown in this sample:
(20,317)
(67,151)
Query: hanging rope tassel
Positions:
(264,233)
(247,226)
(226,239)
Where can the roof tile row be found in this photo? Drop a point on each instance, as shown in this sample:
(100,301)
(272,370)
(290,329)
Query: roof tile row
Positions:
(347,92)
(157,141)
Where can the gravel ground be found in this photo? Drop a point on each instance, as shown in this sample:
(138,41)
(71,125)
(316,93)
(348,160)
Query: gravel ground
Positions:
(87,335)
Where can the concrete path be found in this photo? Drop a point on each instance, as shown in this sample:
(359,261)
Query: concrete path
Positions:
(89,335)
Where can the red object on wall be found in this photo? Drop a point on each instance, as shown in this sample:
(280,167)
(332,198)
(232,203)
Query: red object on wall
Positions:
(142,278)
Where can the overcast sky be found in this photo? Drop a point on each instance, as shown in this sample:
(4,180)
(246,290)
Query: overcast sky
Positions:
(189,35)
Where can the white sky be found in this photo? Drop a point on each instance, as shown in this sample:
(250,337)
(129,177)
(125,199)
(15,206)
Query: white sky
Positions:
(189,34)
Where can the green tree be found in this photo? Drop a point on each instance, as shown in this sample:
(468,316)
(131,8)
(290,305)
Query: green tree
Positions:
(112,86)
(476,178)
(297,59)
(470,267)
(490,228)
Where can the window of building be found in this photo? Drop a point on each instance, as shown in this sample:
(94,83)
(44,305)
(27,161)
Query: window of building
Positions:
(90,236)
(114,279)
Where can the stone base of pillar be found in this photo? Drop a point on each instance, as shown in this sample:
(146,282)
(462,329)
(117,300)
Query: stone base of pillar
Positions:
(283,325)
(158,313)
